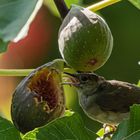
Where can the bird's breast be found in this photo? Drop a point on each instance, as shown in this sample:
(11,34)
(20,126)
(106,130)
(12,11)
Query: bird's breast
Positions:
(93,110)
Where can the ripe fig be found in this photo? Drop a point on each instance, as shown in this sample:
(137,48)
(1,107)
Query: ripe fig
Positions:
(85,40)
(39,98)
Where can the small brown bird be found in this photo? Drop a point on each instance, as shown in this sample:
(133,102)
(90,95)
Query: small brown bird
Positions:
(107,101)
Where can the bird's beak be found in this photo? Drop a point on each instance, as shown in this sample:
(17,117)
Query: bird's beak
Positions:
(70,74)
(73,80)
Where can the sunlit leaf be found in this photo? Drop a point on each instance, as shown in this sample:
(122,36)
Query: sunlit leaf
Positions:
(138,83)
(101,132)
(68,113)
(136,3)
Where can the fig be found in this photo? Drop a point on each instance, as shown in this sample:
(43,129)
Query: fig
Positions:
(85,40)
(39,98)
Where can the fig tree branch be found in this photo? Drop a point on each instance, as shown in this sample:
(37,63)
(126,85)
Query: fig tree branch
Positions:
(15,72)
(20,72)
(62,7)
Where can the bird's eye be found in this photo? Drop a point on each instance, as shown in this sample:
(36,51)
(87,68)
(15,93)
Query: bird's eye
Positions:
(84,78)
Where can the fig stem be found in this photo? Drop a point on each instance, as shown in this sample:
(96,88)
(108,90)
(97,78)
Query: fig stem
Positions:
(102,4)
(62,8)
(19,72)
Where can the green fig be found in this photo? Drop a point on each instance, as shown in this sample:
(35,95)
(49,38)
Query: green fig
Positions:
(39,98)
(85,40)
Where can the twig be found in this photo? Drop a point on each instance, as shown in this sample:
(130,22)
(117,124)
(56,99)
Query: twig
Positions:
(62,7)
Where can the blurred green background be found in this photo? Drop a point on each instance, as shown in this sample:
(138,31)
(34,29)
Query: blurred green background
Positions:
(41,43)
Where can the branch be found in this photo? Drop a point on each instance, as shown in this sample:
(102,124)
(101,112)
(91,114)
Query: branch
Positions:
(21,72)
(62,7)
(15,72)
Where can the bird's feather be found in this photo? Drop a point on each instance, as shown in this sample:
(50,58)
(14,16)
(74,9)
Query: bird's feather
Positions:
(117,96)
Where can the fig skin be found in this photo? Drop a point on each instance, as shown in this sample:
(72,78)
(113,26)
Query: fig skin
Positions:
(85,40)
(38,99)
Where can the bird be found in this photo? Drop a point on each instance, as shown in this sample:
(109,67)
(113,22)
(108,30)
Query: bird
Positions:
(106,101)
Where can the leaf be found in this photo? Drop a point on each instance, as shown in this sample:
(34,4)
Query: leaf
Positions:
(134,120)
(8,131)
(128,127)
(50,4)
(3,46)
(68,113)
(70,2)
(136,3)
(68,127)
(101,132)
(15,18)
(138,83)
(121,131)
(133,136)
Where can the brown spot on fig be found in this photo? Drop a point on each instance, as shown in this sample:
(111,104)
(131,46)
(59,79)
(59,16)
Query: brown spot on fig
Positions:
(92,61)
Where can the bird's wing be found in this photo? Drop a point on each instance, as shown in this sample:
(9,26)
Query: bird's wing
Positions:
(117,96)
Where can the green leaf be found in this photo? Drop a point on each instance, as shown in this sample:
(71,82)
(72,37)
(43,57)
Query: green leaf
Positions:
(129,127)
(70,2)
(68,127)
(68,113)
(121,131)
(50,4)
(8,131)
(136,3)
(138,83)
(134,121)
(3,46)
(133,136)
(15,18)
(101,132)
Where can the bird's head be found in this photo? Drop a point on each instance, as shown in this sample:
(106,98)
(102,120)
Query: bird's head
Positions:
(85,82)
